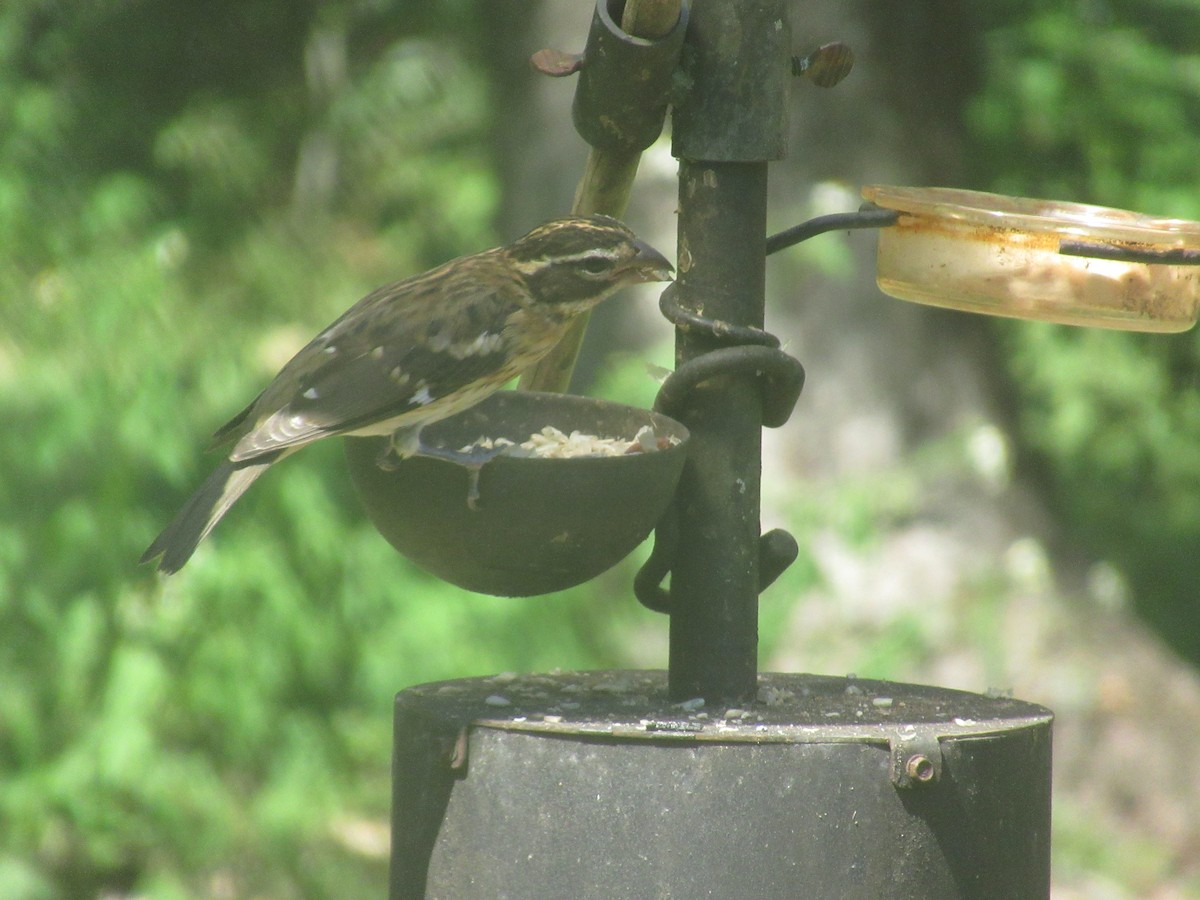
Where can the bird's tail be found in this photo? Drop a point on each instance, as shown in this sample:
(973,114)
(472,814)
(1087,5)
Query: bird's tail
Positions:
(203,510)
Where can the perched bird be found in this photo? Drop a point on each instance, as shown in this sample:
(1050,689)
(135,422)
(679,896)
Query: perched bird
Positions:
(417,351)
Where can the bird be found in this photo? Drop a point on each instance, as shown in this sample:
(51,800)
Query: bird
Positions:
(417,351)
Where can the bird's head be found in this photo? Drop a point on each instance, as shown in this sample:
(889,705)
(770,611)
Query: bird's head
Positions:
(578,261)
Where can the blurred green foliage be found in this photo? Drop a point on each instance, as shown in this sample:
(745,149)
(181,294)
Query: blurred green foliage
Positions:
(1099,101)
(187,192)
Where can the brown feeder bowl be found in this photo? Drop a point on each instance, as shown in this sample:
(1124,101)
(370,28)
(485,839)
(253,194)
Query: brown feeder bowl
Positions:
(539,525)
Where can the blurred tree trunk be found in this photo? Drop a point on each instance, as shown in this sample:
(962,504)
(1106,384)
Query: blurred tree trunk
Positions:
(541,158)
(539,155)
(885,376)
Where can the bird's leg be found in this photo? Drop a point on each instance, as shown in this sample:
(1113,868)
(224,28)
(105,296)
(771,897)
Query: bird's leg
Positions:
(388,459)
(402,444)
(473,459)
(407,442)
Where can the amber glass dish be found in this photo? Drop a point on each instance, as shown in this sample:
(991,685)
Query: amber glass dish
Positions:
(1000,255)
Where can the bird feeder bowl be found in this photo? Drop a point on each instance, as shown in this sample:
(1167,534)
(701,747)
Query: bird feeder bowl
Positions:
(1069,263)
(537,524)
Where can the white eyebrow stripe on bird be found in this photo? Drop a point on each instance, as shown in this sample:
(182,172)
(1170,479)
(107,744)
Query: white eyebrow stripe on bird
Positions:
(532,266)
(590,253)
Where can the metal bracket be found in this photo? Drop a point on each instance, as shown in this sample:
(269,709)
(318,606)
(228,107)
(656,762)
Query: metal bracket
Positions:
(866,216)
(916,758)
(1134,253)
(624,83)
(755,353)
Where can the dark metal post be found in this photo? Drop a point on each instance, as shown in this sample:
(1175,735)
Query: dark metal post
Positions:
(714,583)
(726,128)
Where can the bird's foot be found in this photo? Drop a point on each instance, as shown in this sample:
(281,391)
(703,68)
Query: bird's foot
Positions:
(389,458)
(400,446)
(472,458)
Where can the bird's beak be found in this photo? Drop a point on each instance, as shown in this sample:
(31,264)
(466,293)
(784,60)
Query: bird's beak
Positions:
(649,265)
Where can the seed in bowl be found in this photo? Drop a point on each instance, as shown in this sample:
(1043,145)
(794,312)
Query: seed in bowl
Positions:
(553,443)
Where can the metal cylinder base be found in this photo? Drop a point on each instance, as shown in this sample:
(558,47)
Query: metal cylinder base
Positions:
(594,785)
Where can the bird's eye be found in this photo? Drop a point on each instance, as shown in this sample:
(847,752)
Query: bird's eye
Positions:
(596,265)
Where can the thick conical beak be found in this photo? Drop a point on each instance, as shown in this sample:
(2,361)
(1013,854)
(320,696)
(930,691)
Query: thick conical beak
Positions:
(649,265)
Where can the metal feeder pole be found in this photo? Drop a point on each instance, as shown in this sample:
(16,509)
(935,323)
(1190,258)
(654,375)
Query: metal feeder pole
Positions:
(714,581)
(728,126)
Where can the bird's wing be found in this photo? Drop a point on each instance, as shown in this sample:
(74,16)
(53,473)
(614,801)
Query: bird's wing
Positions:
(391,357)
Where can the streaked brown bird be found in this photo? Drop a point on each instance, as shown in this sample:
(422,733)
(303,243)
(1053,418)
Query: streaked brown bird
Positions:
(417,351)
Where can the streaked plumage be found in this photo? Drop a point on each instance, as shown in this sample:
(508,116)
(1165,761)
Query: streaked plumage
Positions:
(416,351)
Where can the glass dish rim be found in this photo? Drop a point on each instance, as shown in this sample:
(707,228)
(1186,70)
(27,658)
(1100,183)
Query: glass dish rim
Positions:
(1066,219)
